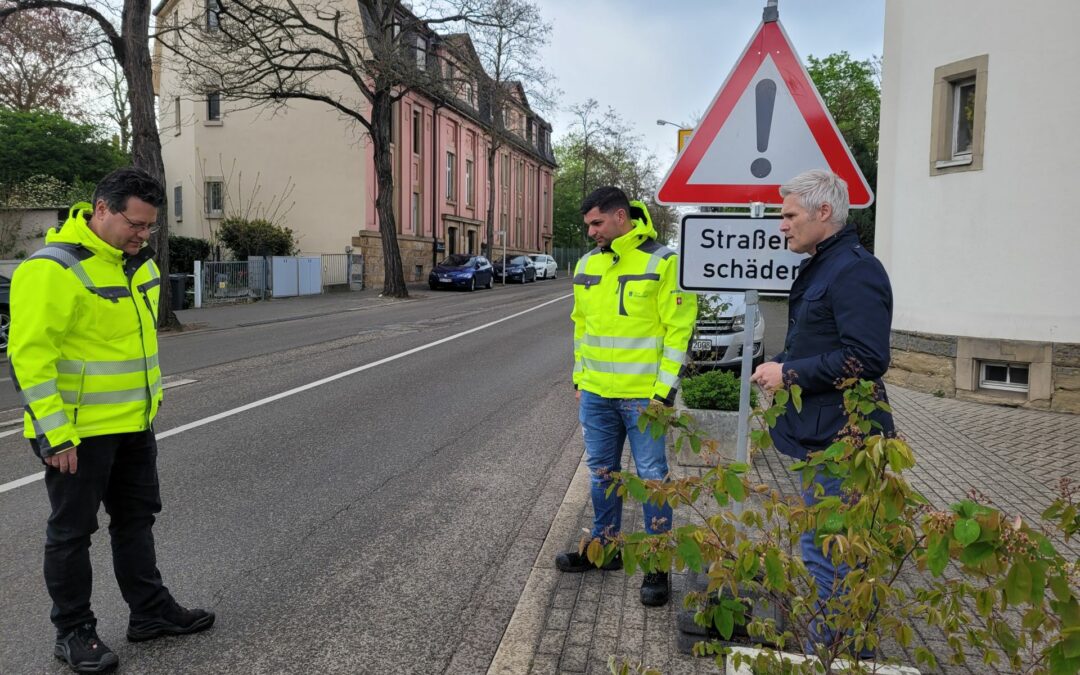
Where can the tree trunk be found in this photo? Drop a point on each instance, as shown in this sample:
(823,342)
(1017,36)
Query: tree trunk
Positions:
(394,276)
(145,143)
(491,202)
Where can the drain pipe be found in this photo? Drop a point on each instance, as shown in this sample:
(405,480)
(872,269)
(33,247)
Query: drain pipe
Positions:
(435,185)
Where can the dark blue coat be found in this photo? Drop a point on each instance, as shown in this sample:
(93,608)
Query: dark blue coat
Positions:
(839,313)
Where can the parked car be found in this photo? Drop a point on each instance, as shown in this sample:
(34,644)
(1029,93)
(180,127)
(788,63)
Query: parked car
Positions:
(459,270)
(520,269)
(546,267)
(5,311)
(718,336)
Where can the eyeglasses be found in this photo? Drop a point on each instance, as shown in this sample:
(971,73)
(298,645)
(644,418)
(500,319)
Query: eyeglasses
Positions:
(139,227)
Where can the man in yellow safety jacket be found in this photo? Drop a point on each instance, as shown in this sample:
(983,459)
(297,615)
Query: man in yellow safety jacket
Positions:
(632,327)
(84,356)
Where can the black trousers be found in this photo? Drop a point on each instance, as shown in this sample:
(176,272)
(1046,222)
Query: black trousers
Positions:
(119,470)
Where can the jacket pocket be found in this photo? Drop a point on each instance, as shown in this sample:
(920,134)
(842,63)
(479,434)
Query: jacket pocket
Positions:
(637,294)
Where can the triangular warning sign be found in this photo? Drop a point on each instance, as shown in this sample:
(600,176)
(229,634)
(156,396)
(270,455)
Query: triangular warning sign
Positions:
(766,125)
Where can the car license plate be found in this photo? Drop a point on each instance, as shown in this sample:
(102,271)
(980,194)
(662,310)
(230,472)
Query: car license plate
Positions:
(701,345)
(444,280)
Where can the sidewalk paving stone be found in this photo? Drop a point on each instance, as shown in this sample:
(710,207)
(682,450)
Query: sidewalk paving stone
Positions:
(1013,457)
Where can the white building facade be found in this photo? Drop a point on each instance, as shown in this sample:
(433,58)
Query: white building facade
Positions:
(978,163)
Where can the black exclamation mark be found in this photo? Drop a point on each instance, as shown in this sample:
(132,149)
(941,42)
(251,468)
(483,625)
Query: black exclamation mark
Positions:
(766,96)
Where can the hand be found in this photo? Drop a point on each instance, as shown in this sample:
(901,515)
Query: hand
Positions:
(577,394)
(66,461)
(769,375)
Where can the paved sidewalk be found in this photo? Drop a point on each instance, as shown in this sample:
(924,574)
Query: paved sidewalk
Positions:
(217,317)
(572,623)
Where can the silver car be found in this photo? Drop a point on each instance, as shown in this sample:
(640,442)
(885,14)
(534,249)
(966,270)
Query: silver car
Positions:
(718,336)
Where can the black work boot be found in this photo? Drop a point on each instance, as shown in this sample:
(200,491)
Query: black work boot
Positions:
(173,620)
(81,649)
(573,561)
(655,589)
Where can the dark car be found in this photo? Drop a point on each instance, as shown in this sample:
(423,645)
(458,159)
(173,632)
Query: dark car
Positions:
(5,310)
(461,271)
(520,269)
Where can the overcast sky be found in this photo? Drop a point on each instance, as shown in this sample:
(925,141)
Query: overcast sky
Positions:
(666,59)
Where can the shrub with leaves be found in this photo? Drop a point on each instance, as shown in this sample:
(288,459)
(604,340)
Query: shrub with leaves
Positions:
(714,390)
(184,251)
(256,237)
(990,582)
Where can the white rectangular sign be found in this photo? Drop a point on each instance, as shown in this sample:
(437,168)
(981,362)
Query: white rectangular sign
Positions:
(722,252)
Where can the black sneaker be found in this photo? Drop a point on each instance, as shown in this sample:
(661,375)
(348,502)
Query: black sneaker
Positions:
(655,589)
(81,649)
(573,561)
(173,620)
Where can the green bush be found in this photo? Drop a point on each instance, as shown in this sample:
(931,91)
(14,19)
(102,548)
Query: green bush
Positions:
(714,390)
(256,237)
(184,251)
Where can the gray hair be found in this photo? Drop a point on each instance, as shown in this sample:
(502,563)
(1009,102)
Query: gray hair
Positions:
(817,187)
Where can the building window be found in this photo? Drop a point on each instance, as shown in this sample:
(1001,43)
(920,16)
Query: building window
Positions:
(506,171)
(421,53)
(1005,376)
(959,116)
(450,182)
(213,106)
(176,115)
(418,272)
(178,203)
(416,213)
(470,183)
(417,132)
(213,15)
(214,197)
(470,94)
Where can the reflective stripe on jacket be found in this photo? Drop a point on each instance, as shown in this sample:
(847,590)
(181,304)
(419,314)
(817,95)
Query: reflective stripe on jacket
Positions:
(632,325)
(83,338)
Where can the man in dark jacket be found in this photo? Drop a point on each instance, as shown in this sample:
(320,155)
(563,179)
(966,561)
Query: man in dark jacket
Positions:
(839,319)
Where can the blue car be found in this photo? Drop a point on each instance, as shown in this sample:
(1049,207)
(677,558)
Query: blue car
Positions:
(462,271)
(520,269)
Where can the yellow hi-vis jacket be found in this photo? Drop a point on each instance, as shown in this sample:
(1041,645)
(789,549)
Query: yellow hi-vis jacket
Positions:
(83,339)
(632,324)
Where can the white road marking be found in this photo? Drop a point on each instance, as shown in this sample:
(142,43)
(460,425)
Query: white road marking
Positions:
(11,433)
(311,385)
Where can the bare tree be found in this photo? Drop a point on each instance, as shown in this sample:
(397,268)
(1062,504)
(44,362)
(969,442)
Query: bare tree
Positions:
(41,53)
(357,62)
(507,41)
(130,46)
(110,92)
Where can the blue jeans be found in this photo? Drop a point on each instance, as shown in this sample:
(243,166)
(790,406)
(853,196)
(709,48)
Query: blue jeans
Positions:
(607,423)
(829,577)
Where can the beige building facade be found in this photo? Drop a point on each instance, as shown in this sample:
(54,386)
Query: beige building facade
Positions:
(977,159)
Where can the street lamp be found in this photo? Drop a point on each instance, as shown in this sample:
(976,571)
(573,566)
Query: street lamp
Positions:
(661,123)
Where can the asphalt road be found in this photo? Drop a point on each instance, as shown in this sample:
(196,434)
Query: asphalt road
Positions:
(383,522)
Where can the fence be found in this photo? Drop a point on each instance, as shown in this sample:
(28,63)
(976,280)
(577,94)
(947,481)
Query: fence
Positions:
(223,282)
(568,257)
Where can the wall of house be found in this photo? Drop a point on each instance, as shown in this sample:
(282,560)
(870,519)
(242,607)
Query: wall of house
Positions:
(982,265)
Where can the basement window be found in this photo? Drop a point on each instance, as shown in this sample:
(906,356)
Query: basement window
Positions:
(1003,376)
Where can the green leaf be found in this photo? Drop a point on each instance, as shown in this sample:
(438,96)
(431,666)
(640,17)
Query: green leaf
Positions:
(780,397)
(835,451)
(796,396)
(629,559)
(695,444)
(833,523)
(1071,644)
(724,619)
(720,496)
(984,601)
(636,488)
(966,531)
(1038,581)
(974,554)
(1061,664)
(937,554)
(774,570)
(734,486)
(642,422)
(690,551)
(1006,638)
(1060,586)
(739,467)
(1018,583)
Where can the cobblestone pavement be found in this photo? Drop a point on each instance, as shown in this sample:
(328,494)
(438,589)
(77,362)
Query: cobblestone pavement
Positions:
(1014,457)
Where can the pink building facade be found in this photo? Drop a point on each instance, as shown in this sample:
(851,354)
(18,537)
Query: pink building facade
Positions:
(442,184)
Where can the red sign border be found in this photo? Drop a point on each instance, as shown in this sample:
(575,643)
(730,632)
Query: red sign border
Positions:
(770,38)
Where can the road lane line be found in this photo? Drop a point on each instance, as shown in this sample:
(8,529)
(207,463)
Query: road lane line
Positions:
(311,385)
(10,433)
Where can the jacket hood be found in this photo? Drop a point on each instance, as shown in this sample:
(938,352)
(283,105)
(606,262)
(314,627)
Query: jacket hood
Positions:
(75,230)
(643,229)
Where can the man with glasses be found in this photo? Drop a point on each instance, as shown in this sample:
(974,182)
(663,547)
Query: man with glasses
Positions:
(84,356)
